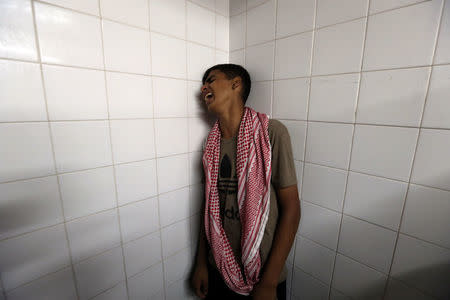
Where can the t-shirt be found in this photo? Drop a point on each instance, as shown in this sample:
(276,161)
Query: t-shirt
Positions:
(283,175)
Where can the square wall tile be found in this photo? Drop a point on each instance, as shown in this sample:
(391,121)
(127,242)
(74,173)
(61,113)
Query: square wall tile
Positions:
(127,49)
(408,43)
(222,32)
(237,6)
(17,30)
(375,199)
(99,273)
(33,255)
(195,168)
(198,132)
(431,164)
(29,205)
(200,25)
(293,56)
(21,92)
(174,206)
(93,235)
(237,31)
(257,31)
(75,94)
(357,280)
(393,97)
(333,98)
(25,151)
(329,144)
(305,286)
(118,292)
(254,56)
(87,192)
(367,243)
(178,266)
(297,133)
(136,181)
(426,215)
(331,12)
(398,290)
(59,285)
(87,6)
(294,17)
(377,6)
(142,253)
(221,57)
(443,45)
(260,98)
(384,151)
(147,283)
(437,107)
(290,98)
(166,58)
(336,295)
(67,37)
(138,219)
(129,95)
(132,140)
(81,145)
(195,106)
(175,237)
(162,14)
(314,259)
(339,48)
(172,172)
(169,97)
(134,12)
(200,58)
(168,131)
(319,224)
(223,7)
(324,186)
(422,265)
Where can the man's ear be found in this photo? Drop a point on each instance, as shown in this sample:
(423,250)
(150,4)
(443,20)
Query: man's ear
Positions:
(236,82)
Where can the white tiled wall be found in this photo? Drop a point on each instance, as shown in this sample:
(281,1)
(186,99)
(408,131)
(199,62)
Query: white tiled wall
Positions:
(363,88)
(100,139)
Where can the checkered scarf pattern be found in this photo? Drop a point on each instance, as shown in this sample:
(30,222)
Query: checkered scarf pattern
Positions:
(253,168)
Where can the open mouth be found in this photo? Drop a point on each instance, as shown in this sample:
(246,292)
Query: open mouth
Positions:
(208,98)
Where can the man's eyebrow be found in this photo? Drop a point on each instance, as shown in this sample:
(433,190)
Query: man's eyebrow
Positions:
(210,77)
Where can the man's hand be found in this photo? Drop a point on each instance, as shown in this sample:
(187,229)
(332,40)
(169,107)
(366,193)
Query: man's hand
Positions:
(263,291)
(199,280)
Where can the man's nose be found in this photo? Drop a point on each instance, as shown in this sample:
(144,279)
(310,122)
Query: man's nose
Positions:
(203,89)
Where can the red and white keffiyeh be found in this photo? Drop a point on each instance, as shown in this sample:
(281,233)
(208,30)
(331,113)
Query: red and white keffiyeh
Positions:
(253,168)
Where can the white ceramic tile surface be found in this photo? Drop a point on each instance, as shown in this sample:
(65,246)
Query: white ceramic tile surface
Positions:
(138,219)
(162,16)
(136,181)
(200,24)
(394,97)
(169,97)
(134,12)
(198,132)
(222,32)
(196,198)
(178,266)
(293,56)
(87,192)
(257,31)
(437,108)
(294,16)
(195,167)
(127,49)
(175,237)
(87,6)
(99,273)
(147,283)
(237,6)
(221,57)
(174,206)
(29,205)
(297,133)
(324,186)
(408,43)
(118,292)
(367,243)
(166,58)
(431,164)
(426,215)
(237,31)
(173,172)
(290,98)
(75,94)
(67,37)
(17,38)
(299,173)
(94,234)
(260,97)
(81,145)
(384,151)
(254,56)
(129,95)
(223,7)
(443,46)
(332,12)
(179,290)
(374,199)
(338,49)
(422,265)
(168,131)
(308,287)
(142,253)
(21,92)
(195,105)
(377,6)
(25,151)
(329,144)
(398,290)
(209,4)
(333,98)
(200,58)
(33,255)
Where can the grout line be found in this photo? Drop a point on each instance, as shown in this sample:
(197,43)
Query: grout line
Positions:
(107,290)
(273,60)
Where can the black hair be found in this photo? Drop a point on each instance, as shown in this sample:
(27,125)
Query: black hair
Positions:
(231,71)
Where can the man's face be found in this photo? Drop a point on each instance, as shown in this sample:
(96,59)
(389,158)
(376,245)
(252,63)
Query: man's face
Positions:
(217,90)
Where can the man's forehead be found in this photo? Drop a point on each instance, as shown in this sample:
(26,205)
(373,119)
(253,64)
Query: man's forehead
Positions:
(215,73)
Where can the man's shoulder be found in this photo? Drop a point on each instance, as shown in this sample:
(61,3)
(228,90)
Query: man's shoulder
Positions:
(276,129)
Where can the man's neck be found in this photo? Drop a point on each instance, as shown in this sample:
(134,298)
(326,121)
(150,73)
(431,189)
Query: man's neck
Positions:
(230,121)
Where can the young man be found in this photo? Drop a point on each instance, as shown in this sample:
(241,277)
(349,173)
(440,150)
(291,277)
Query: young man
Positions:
(251,209)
